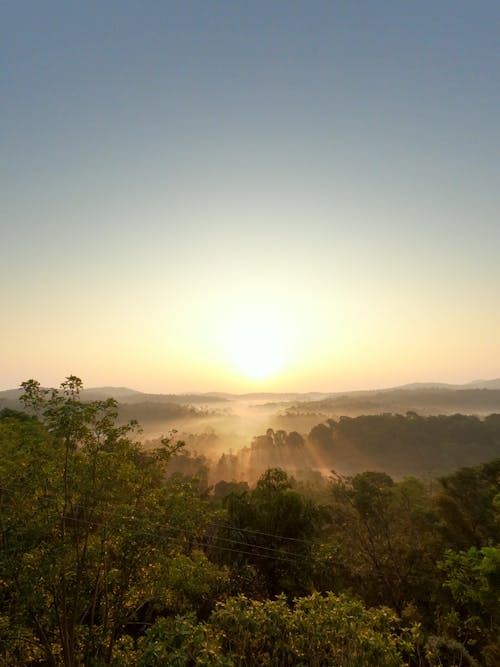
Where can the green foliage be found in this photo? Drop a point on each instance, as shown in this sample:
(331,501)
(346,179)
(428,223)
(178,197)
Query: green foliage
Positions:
(223,489)
(473,579)
(384,540)
(272,527)
(90,531)
(403,444)
(317,631)
(467,505)
(112,556)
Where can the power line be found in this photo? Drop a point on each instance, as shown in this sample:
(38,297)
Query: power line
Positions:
(214,524)
(260,551)
(259,532)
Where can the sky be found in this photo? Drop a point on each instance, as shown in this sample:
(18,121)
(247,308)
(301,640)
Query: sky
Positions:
(235,196)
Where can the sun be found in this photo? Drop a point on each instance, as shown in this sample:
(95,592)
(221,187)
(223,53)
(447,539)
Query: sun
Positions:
(257,347)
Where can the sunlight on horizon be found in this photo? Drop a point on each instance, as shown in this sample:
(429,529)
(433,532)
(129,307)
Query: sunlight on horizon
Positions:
(257,349)
(185,212)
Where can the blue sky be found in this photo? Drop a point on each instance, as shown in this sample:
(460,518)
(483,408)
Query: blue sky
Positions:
(169,167)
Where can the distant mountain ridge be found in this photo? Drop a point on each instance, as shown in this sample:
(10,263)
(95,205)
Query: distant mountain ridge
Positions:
(475,384)
(127,395)
(484,384)
(229,412)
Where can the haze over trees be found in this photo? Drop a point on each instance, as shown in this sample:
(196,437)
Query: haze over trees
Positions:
(115,554)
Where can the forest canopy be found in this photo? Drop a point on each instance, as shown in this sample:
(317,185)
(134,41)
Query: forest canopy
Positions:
(108,557)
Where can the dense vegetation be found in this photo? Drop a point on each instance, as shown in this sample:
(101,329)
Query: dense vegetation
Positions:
(398,444)
(408,443)
(107,558)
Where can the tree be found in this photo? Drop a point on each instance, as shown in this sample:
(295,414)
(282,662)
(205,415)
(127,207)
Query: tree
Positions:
(384,540)
(315,631)
(271,529)
(466,504)
(89,527)
(473,612)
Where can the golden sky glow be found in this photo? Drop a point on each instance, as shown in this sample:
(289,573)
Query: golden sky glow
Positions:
(259,196)
(256,344)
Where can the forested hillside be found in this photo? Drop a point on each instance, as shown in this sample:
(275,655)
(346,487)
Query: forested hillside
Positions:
(398,444)
(110,557)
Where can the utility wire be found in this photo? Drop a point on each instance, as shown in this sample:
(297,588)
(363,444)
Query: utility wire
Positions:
(262,551)
(215,524)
